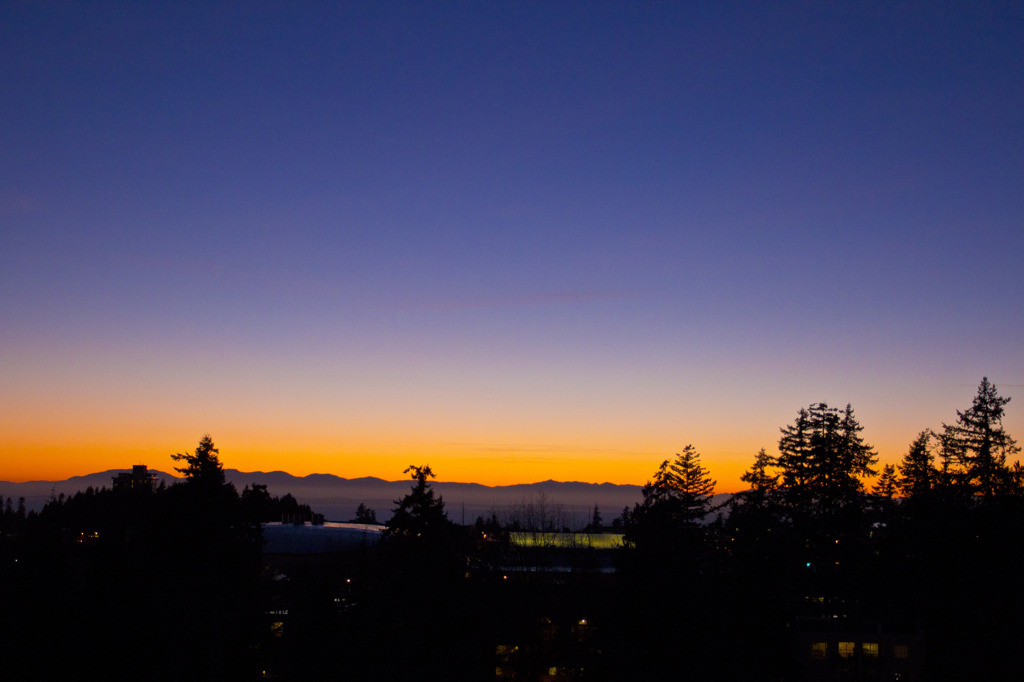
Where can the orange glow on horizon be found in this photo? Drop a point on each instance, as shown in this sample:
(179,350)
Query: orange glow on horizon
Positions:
(53,436)
(453,462)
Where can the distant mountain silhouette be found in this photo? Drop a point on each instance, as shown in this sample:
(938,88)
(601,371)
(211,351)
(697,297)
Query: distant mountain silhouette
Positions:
(337,498)
(36,493)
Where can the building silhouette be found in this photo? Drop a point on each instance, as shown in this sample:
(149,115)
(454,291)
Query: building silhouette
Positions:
(138,479)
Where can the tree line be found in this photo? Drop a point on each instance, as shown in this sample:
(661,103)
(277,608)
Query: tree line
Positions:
(933,547)
(168,582)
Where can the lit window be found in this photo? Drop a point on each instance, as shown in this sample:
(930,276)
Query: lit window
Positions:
(552,670)
(900,651)
(846,649)
(870,649)
(819,650)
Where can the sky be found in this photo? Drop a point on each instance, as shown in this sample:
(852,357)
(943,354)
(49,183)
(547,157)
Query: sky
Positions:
(516,241)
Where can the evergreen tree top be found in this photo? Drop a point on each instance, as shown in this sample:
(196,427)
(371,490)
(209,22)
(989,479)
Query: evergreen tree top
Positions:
(823,458)
(681,484)
(977,446)
(420,512)
(203,466)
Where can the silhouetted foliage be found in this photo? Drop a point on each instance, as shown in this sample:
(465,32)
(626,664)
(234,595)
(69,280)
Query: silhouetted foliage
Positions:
(886,484)
(420,514)
(679,493)
(11,519)
(419,586)
(172,575)
(537,514)
(365,515)
(917,473)
(664,531)
(762,483)
(757,512)
(258,506)
(202,467)
(978,444)
(822,458)
(147,583)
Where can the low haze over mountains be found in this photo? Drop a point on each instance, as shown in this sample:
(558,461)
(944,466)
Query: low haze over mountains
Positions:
(337,498)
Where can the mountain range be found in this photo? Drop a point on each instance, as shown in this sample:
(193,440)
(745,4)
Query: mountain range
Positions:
(566,504)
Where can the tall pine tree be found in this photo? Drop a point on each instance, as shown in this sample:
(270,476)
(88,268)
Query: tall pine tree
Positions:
(978,445)
(681,489)
(917,472)
(823,458)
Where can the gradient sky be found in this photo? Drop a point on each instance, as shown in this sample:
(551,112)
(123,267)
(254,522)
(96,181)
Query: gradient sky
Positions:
(516,241)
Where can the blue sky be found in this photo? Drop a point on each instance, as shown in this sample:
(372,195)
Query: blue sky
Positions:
(513,238)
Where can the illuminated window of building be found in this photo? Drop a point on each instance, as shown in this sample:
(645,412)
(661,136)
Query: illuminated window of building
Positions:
(819,650)
(900,651)
(870,649)
(552,670)
(277,628)
(504,652)
(846,649)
